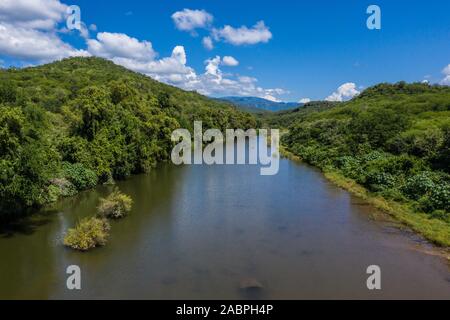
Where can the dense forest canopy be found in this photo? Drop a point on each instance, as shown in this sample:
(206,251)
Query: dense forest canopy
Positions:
(69,125)
(393,139)
(284,119)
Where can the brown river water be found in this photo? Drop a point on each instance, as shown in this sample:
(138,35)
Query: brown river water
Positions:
(200,232)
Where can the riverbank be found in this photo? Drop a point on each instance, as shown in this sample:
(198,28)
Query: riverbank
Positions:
(434,230)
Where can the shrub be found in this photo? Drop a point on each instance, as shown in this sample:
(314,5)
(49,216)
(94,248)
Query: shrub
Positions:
(65,187)
(419,143)
(117,205)
(53,193)
(440,197)
(377,125)
(8,92)
(442,159)
(88,234)
(374,155)
(437,199)
(121,91)
(418,185)
(75,150)
(379,181)
(350,167)
(80,176)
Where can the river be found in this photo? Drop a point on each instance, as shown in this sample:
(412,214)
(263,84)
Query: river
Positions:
(203,232)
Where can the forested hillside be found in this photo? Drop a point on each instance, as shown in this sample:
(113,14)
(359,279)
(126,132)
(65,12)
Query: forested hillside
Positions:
(284,119)
(393,139)
(69,125)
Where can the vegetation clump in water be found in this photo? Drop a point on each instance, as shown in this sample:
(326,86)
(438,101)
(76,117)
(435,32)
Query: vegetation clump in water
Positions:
(93,232)
(88,234)
(116,206)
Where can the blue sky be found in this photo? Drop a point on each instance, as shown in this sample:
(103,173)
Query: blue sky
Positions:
(284,49)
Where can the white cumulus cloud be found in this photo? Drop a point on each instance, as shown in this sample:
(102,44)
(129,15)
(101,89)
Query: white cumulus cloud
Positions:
(244,35)
(119,45)
(29,31)
(35,14)
(32,44)
(172,70)
(212,66)
(229,61)
(305,100)
(246,79)
(271,98)
(344,92)
(189,20)
(213,81)
(446,72)
(208,43)
(139,56)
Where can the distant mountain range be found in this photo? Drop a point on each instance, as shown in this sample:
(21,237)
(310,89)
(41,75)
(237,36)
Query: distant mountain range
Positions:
(255,104)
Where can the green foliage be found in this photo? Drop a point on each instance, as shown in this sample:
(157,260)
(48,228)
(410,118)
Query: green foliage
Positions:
(12,135)
(284,119)
(419,185)
(392,139)
(387,89)
(379,181)
(91,107)
(121,92)
(86,121)
(8,92)
(164,100)
(88,234)
(350,167)
(441,215)
(116,206)
(65,187)
(441,159)
(438,199)
(53,193)
(376,126)
(27,160)
(81,177)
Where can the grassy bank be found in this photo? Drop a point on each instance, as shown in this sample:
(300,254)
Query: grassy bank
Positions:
(285,153)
